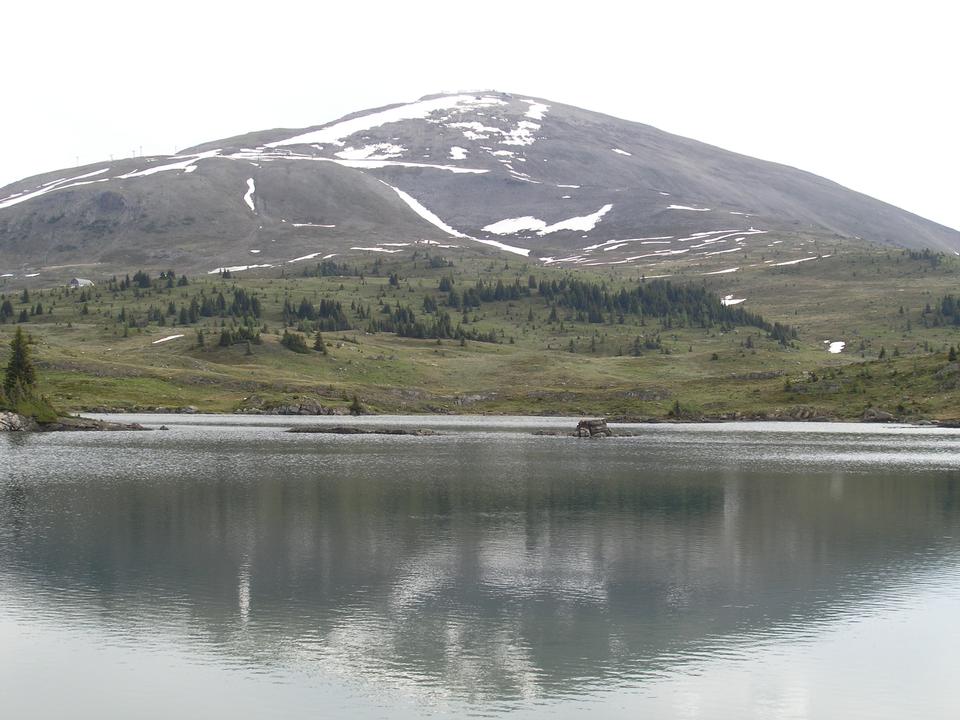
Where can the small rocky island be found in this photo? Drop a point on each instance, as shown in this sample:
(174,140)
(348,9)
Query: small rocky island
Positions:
(353,430)
(595,428)
(13,422)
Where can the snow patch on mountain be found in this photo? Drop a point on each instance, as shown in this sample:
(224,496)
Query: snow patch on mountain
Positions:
(423,212)
(419,110)
(236,268)
(537,110)
(665,240)
(61,184)
(522,134)
(795,262)
(373,164)
(311,256)
(379,151)
(583,223)
(618,151)
(687,207)
(248,196)
(181,165)
(377,249)
(510,226)
(431,218)
(458,153)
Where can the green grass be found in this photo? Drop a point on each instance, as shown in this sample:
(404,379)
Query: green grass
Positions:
(870,298)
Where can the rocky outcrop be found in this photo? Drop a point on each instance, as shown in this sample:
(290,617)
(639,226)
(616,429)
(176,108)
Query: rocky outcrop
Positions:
(82,424)
(11,422)
(593,428)
(297,406)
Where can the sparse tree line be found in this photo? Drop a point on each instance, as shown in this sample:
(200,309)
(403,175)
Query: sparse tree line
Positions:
(670,305)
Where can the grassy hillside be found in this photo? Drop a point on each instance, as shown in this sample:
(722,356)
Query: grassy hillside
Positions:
(97,347)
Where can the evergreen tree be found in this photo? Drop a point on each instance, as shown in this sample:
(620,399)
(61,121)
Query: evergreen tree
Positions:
(20,377)
(318,344)
(294,342)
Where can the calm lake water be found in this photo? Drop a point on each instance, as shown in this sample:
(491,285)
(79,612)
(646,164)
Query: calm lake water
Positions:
(227,569)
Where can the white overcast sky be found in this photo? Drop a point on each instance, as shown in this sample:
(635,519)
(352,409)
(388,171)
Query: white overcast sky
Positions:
(864,93)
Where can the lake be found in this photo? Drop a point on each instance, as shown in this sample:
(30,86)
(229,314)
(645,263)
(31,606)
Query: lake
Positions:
(227,569)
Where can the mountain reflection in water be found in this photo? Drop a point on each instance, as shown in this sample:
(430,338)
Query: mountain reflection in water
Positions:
(489,568)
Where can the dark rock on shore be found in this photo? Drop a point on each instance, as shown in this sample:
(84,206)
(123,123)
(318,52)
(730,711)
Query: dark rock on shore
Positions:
(11,422)
(351,430)
(593,428)
(82,424)
(873,414)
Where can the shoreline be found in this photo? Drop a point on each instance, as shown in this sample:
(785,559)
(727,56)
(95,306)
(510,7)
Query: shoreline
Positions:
(81,420)
(871,415)
(724,418)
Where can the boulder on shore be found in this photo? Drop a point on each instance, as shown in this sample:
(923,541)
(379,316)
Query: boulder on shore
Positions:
(12,422)
(873,414)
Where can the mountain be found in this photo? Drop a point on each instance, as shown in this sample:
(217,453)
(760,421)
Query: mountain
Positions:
(492,171)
